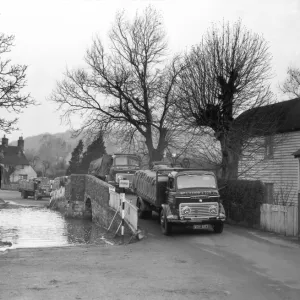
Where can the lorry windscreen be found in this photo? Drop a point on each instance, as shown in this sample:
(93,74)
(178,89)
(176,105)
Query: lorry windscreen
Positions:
(126,161)
(196,181)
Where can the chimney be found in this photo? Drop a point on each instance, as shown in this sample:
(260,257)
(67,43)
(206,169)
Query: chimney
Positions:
(5,141)
(21,143)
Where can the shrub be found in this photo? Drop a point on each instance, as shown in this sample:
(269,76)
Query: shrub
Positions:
(242,200)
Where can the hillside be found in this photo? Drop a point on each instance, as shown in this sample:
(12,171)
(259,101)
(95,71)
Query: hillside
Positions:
(33,143)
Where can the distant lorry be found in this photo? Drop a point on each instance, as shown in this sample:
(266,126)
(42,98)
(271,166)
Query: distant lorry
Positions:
(116,167)
(37,187)
(187,197)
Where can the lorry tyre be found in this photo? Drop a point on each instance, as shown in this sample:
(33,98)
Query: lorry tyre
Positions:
(166,227)
(142,213)
(218,228)
(158,219)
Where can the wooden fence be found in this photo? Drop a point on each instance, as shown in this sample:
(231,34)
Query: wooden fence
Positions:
(131,211)
(279,219)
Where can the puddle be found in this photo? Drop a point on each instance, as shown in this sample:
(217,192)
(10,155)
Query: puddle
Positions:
(35,227)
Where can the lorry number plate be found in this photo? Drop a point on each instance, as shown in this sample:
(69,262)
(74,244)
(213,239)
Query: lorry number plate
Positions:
(200,226)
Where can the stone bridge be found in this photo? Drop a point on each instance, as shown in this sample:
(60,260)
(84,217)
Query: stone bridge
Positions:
(86,196)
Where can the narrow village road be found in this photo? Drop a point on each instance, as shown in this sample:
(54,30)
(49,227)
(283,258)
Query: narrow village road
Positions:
(14,197)
(237,264)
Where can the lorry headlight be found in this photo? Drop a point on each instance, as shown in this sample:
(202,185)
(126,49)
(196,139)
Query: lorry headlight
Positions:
(186,210)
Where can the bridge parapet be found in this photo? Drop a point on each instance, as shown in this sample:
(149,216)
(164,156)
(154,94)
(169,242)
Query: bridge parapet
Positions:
(88,197)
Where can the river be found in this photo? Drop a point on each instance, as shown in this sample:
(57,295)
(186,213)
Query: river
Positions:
(35,227)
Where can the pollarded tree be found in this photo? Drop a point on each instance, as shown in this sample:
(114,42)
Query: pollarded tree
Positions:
(224,75)
(128,88)
(12,81)
(75,161)
(291,85)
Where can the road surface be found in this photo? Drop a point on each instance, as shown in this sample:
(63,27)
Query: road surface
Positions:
(14,197)
(238,264)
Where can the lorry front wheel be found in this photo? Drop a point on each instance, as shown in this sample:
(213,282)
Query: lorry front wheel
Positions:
(166,227)
(218,228)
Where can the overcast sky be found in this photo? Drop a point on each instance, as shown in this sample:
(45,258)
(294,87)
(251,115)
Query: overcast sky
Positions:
(53,34)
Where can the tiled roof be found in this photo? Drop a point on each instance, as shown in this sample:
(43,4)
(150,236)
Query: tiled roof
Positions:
(12,156)
(277,118)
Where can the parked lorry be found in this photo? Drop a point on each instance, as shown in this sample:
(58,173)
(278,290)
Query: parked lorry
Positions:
(187,197)
(37,187)
(116,167)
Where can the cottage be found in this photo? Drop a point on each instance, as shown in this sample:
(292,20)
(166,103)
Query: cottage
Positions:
(14,164)
(277,163)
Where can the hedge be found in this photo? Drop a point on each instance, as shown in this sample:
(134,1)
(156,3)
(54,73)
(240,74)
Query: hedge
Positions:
(242,200)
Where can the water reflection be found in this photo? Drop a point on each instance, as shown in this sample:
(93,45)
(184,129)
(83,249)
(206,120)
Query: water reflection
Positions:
(32,227)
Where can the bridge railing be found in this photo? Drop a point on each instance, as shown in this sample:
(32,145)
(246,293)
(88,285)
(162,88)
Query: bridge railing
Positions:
(131,211)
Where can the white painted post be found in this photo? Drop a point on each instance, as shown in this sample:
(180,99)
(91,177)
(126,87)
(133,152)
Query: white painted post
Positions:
(122,196)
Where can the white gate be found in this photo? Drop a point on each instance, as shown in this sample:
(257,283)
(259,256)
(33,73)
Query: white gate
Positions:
(131,211)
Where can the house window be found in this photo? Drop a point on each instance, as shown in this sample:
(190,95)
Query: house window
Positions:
(22,167)
(269,147)
(269,193)
(21,177)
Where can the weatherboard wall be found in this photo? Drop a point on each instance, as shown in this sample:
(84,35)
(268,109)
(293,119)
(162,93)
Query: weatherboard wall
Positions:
(282,170)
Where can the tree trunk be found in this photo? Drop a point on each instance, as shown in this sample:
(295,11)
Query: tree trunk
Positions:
(230,157)
(155,155)
(158,153)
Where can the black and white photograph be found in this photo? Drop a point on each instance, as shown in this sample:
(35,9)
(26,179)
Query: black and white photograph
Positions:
(149,149)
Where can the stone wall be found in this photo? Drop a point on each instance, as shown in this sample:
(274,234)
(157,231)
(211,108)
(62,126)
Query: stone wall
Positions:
(98,192)
(82,190)
(77,187)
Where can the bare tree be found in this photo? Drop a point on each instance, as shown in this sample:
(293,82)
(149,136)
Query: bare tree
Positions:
(129,88)
(7,172)
(12,81)
(224,75)
(46,166)
(33,158)
(291,85)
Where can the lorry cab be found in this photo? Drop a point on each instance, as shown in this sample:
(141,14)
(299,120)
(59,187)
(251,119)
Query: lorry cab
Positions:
(192,198)
(123,168)
(187,197)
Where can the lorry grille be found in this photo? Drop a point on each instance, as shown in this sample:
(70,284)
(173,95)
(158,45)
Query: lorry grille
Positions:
(199,210)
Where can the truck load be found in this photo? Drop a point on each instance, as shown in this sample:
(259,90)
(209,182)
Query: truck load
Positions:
(116,167)
(187,197)
(37,187)
(101,166)
(149,186)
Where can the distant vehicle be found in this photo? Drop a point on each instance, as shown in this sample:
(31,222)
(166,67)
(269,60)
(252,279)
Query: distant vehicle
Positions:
(116,167)
(187,197)
(37,187)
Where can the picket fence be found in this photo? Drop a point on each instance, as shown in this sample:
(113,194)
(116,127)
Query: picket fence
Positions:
(279,219)
(131,211)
